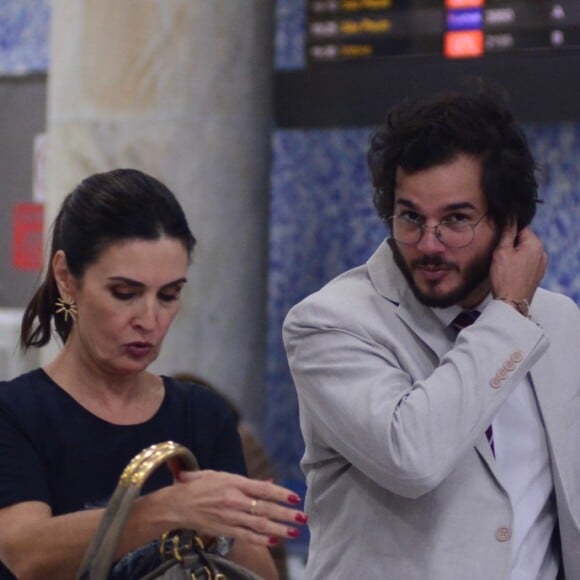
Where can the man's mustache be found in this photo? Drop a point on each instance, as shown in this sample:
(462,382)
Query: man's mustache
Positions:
(435,261)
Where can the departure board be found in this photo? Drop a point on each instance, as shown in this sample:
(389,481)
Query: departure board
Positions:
(350,30)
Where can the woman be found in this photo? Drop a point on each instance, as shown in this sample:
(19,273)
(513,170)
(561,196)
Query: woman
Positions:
(121,247)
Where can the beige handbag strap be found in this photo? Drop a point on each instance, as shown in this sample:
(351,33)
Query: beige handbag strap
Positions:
(99,556)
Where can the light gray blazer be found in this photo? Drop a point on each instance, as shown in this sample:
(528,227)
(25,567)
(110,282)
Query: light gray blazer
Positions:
(401,480)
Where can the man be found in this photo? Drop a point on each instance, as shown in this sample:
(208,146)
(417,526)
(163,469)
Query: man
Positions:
(434,452)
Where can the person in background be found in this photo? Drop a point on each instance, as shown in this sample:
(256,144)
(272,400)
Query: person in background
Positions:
(121,247)
(438,385)
(258,464)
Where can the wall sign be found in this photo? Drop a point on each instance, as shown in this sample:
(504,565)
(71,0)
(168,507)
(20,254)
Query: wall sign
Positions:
(27,229)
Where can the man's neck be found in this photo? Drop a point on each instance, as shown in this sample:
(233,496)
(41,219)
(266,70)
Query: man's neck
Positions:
(476,297)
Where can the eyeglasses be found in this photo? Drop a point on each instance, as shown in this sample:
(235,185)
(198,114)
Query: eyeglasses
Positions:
(453,234)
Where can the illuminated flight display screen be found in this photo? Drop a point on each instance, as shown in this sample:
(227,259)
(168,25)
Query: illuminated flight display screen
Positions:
(343,30)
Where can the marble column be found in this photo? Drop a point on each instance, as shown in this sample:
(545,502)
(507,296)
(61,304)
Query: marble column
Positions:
(180,89)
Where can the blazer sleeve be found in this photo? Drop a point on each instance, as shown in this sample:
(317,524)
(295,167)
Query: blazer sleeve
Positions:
(365,396)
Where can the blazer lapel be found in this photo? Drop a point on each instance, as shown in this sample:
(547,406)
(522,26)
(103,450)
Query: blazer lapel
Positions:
(484,449)
(421,320)
(390,283)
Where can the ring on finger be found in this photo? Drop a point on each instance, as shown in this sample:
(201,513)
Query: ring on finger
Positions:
(254,507)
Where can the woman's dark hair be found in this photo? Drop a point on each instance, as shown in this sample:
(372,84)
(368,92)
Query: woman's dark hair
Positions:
(421,136)
(103,209)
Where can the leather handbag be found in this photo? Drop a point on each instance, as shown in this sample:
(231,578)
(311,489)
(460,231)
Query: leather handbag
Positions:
(179,554)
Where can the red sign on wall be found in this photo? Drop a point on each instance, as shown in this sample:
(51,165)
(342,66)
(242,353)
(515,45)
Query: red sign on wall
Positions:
(27,226)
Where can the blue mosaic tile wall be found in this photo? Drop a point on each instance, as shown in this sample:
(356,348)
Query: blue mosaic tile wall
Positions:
(323,222)
(290,34)
(24,29)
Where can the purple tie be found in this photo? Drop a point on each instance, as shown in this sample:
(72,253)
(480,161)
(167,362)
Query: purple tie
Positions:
(465,318)
(462,320)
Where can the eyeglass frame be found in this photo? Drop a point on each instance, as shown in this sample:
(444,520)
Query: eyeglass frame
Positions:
(422,227)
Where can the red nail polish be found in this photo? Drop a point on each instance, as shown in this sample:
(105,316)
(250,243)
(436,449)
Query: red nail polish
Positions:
(273,541)
(293,533)
(301,518)
(293,498)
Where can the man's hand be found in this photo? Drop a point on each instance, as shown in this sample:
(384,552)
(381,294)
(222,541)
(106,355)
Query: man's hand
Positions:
(518,265)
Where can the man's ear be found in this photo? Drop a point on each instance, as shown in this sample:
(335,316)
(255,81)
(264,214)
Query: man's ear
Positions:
(65,281)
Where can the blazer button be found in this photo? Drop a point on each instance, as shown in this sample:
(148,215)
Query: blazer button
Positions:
(503,534)
(509,365)
(517,356)
(495,382)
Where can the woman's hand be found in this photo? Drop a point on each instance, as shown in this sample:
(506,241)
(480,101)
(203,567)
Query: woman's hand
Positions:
(218,503)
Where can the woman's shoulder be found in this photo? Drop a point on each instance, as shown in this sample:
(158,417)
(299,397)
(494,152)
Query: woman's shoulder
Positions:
(24,387)
(27,398)
(29,377)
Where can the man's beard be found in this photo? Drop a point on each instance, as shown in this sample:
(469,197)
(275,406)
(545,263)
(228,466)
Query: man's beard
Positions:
(474,274)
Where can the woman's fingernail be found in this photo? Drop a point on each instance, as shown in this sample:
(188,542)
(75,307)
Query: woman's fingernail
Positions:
(293,498)
(301,518)
(273,541)
(293,533)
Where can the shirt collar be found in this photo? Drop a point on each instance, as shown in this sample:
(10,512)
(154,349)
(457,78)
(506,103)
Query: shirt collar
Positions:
(447,315)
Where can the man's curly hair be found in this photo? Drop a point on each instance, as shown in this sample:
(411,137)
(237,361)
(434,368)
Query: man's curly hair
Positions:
(419,136)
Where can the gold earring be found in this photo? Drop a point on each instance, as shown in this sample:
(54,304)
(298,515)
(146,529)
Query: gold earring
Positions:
(66,307)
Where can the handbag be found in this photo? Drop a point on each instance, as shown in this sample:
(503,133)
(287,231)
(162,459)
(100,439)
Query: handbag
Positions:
(179,554)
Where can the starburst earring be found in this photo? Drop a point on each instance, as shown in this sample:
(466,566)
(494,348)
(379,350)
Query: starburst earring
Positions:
(66,307)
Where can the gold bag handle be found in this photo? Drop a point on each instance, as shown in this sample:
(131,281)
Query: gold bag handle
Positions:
(99,556)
